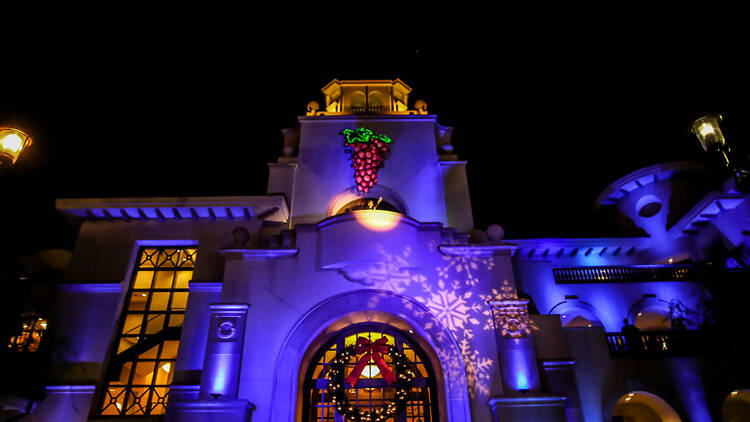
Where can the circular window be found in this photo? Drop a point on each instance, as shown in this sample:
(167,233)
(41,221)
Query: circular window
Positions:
(648,206)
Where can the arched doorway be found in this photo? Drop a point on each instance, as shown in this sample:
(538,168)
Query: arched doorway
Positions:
(642,406)
(334,314)
(371,390)
(736,407)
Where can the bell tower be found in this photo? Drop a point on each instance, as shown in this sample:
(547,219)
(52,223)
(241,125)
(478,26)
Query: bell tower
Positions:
(366,145)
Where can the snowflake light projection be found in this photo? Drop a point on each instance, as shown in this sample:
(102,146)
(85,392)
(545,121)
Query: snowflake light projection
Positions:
(509,314)
(451,308)
(452,300)
(463,269)
(369,151)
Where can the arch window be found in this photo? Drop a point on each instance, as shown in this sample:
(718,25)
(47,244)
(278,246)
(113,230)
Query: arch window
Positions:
(371,390)
(643,406)
(652,319)
(736,407)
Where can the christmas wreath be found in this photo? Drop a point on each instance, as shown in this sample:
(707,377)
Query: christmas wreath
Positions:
(374,351)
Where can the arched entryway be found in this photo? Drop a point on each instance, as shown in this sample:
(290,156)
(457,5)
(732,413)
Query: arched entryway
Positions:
(371,391)
(642,406)
(319,325)
(736,407)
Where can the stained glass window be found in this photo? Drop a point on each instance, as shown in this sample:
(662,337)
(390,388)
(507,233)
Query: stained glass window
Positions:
(371,390)
(146,347)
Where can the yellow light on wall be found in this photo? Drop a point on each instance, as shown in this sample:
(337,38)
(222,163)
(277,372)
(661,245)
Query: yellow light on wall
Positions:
(377,220)
(12,143)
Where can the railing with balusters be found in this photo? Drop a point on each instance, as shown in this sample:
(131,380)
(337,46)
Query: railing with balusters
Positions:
(655,343)
(369,109)
(625,274)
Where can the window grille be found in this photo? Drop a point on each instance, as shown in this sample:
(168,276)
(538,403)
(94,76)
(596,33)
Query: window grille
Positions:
(145,350)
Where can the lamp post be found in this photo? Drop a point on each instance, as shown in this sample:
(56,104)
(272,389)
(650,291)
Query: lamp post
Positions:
(709,134)
(12,143)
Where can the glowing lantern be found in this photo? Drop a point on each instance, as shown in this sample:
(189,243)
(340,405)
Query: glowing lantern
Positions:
(12,143)
(708,132)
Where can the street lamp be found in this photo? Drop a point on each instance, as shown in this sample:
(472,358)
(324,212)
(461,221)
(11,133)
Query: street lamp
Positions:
(708,132)
(12,143)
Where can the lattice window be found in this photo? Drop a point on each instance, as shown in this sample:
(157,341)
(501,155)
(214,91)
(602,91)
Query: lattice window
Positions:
(141,370)
(371,390)
(30,333)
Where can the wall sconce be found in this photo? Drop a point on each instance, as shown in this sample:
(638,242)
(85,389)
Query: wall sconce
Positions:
(12,143)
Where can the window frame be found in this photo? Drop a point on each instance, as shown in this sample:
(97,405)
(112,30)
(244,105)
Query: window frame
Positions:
(338,339)
(157,393)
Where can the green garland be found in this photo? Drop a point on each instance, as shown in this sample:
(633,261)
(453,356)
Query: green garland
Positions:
(363,135)
(336,388)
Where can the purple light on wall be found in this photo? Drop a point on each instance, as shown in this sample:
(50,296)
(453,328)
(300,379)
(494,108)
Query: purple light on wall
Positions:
(522,381)
(220,375)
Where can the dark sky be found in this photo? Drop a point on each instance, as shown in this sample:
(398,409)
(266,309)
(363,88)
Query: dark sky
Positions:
(545,127)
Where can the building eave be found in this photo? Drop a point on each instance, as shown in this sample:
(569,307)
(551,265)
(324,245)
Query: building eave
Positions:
(268,207)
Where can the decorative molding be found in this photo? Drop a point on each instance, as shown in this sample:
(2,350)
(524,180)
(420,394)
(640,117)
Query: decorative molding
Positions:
(220,308)
(226,329)
(71,389)
(371,118)
(162,209)
(184,388)
(558,364)
(91,287)
(240,408)
(511,317)
(258,253)
(639,178)
(705,210)
(205,286)
(481,250)
(527,401)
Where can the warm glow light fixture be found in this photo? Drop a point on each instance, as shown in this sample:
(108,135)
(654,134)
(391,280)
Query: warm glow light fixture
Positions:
(709,134)
(12,143)
(377,220)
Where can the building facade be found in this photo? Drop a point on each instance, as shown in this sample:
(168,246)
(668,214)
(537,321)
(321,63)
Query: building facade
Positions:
(362,255)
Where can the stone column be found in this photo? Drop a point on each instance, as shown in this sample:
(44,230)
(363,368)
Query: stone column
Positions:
(217,399)
(522,398)
(515,347)
(226,336)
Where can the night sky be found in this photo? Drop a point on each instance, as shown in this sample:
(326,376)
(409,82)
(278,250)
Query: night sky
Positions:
(544,127)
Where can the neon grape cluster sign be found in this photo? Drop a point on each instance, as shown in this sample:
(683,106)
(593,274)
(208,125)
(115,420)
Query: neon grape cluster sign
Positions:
(369,151)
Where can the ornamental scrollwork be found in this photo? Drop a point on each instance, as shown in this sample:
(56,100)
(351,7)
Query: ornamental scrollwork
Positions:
(226,330)
(511,317)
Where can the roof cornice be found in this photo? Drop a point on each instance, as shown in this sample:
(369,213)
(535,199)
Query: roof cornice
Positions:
(267,207)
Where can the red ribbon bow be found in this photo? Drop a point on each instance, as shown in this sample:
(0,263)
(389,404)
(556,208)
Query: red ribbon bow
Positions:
(372,350)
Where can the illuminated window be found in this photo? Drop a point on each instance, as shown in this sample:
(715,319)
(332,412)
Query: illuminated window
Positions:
(371,390)
(31,331)
(141,370)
